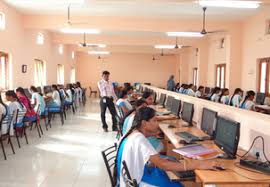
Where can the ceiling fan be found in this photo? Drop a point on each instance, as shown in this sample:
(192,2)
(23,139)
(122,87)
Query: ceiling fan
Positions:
(69,22)
(181,46)
(164,54)
(84,44)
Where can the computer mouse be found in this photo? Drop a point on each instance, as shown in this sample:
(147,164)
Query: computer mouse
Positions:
(171,126)
(183,142)
(221,168)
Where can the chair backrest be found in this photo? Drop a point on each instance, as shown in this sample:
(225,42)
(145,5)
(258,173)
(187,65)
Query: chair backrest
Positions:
(90,89)
(109,157)
(126,176)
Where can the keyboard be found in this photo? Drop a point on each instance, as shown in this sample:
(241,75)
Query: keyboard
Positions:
(163,113)
(263,167)
(188,136)
(185,175)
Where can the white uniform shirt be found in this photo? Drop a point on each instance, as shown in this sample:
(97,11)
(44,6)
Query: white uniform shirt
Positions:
(190,92)
(69,95)
(249,105)
(56,97)
(215,97)
(198,94)
(124,102)
(106,88)
(236,100)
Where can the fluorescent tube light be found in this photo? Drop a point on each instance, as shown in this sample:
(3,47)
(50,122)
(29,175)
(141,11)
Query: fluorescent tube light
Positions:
(99,52)
(230,3)
(185,34)
(80,31)
(165,46)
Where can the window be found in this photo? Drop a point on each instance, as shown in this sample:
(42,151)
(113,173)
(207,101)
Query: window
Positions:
(60,74)
(40,73)
(267,28)
(61,49)
(4,82)
(220,75)
(2,21)
(40,39)
(73,55)
(264,84)
(195,76)
(72,75)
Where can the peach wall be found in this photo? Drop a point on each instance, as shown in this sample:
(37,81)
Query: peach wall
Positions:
(21,46)
(126,68)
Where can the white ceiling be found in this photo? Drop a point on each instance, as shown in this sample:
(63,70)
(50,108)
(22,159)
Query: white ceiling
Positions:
(188,9)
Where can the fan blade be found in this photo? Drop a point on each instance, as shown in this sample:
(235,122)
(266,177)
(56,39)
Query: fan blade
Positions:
(186,46)
(216,31)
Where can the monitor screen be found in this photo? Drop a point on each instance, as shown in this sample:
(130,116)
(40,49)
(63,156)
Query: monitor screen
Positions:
(154,94)
(176,106)
(208,122)
(27,93)
(169,102)
(207,90)
(260,97)
(187,112)
(227,135)
(162,99)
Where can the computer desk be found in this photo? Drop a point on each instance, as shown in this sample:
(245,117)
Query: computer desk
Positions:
(263,108)
(230,177)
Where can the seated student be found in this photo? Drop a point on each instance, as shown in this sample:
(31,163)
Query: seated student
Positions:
(130,93)
(3,113)
(76,95)
(215,94)
(69,94)
(190,90)
(30,114)
(149,167)
(80,90)
(248,103)
(181,89)
(177,87)
(147,96)
(62,91)
(236,98)
(224,97)
(123,103)
(199,93)
(37,100)
(14,105)
(56,98)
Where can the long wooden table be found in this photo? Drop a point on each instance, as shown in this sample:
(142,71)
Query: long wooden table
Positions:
(234,175)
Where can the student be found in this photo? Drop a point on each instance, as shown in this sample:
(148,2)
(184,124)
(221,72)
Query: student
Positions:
(190,90)
(56,98)
(177,87)
(62,91)
(199,92)
(147,96)
(30,114)
(224,97)
(3,115)
(185,90)
(123,102)
(80,91)
(170,83)
(37,100)
(248,102)
(181,89)
(215,94)
(14,105)
(148,167)
(130,93)
(236,97)
(69,94)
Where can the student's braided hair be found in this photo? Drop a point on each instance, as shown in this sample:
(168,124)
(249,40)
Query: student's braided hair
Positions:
(4,105)
(249,93)
(222,94)
(21,90)
(11,93)
(236,91)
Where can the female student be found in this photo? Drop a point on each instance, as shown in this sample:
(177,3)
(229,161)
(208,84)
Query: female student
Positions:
(224,97)
(123,102)
(56,98)
(248,102)
(3,115)
(190,91)
(181,89)
(80,91)
(30,114)
(215,94)
(37,100)
(148,167)
(199,92)
(69,95)
(236,97)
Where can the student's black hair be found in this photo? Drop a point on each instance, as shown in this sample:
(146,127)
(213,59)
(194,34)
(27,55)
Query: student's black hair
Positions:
(215,90)
(21,90)
(4,105)
(139,102)
(55,87)
(200,87)
(122,94)
(222,93)
(236,91)
(11,93)
(34,89)
(190,85)
(146,94)
(79,84)
(249,93)
(70,86)
(143,114)
(105,73)
(128,88)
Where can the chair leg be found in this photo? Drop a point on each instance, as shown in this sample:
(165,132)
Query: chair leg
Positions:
(36,125)
(40,129)
(3,149)
(11,145)
(17,137)
(62,118)
(65,115)
(73,109)
(24,132)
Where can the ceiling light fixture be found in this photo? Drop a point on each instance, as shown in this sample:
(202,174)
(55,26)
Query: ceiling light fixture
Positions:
(93,45)
(165,46)
(185,34)
(99,52)
(80,31)
(230,3)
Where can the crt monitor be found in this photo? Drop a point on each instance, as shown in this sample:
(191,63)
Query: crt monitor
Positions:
(227,136)
(162,99)
(154,95)
(260,97)
(176,106)
(208,122)
(187,112)
(169,102)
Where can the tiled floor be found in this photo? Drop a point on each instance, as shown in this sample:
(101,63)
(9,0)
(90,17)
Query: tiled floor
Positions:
(66,156)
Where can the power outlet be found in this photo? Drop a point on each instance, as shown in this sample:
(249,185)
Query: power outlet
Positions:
(260,151)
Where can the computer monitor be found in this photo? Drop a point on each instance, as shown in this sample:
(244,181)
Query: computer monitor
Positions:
(208,123)
(169,102)
(260,97)
(207,90)
(187,112)
(176,106)
(27,92)
(154,95)
(227,135)
(162,99)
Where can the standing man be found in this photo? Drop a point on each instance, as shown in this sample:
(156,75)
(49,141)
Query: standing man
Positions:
(171,83)
(107,94)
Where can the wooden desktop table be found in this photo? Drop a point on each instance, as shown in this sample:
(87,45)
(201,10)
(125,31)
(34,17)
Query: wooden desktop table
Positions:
(234,175)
